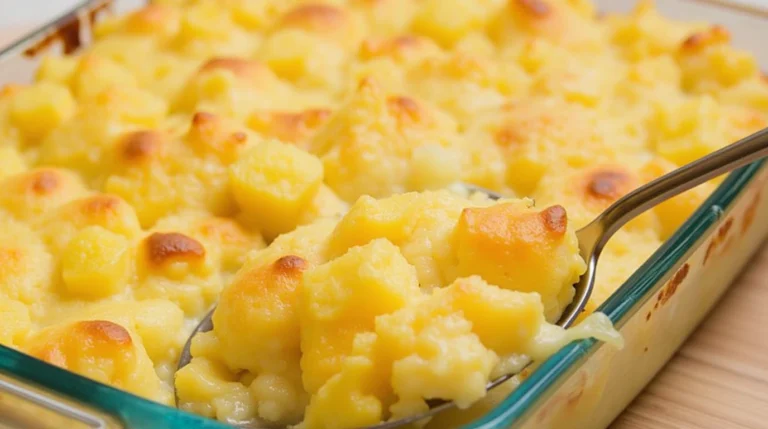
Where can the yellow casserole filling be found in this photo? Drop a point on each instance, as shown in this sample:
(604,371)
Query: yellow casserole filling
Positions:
(347,323)
(296,162)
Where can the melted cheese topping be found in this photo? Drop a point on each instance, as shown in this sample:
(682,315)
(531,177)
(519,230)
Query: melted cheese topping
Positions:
(289,160)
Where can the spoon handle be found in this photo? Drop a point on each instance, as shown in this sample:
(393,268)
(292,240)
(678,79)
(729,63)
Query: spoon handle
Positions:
(731,157)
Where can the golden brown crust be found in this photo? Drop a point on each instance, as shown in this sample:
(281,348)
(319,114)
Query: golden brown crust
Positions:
(749,120)
(204,123)
(44,182)
(99,205)
(397,46)
(214,132)
(10,256)
(204,120)
(406,110)
(698,41)
(508,136)
(34,192)
(533,8)
(368,3)
(104,331)
(242,68)
(555,219)
(151,17)
(10,89)
(63,345)
(315,17)
(223,230)
(368,85)
(292,127)
(535,120)
(608,184)
(239,137)
(173,246)
(505,225)
(544,19)
(290,264)
(285,272)
(140,146)
(105,210)
(276,281)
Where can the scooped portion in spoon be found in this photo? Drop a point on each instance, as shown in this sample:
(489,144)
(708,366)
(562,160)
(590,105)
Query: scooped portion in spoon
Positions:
(347,323)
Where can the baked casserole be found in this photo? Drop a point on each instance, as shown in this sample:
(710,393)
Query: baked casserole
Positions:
(298,163)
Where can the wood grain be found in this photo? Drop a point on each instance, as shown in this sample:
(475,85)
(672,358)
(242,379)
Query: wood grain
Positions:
(719,378)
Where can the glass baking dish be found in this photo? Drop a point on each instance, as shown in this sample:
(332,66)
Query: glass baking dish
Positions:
(584,385)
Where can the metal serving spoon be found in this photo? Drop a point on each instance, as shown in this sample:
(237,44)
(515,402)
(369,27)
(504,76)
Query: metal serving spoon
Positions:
(593,238)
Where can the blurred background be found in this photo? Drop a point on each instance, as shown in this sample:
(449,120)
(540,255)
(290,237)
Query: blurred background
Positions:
(20,12)
(17,16)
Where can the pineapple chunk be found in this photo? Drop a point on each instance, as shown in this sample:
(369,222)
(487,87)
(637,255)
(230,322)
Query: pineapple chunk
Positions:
(262,300)
(279,398)
(448,361)
(273,182)
(343,297)
(517,248)
(206,387)
(448,21)
(96,75)
(96,263)
(349,399)
(289,52)
(40,108)
(494,312)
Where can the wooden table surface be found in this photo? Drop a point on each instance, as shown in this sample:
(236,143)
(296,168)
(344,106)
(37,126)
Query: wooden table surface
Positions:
(719,379)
